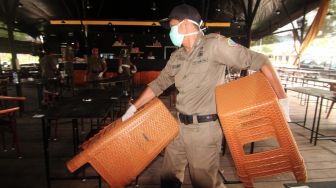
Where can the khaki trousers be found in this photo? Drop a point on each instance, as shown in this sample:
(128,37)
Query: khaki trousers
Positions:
(198,146)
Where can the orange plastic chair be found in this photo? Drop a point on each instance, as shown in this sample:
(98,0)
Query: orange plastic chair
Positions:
(122,150)
(249,111)
(8,122)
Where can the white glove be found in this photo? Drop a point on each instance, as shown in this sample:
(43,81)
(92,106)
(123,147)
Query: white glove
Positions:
(285,108)
(126,66)
(120,69)
(129,113)
(134,70)
(100,75)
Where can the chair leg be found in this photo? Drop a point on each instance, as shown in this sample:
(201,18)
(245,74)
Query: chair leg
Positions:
(15,139)
(3,140)
(82,125)
(331,107)
(56,130)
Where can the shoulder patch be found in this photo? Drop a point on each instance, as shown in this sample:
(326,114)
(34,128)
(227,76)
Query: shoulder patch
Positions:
(231,42)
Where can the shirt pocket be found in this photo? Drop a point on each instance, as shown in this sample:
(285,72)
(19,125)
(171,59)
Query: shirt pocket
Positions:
(199,73)
(199,66)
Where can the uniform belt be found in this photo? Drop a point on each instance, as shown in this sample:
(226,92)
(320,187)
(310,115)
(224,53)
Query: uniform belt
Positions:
(188,119)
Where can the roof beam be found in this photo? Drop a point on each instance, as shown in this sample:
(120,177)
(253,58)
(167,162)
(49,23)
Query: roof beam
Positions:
(126,23)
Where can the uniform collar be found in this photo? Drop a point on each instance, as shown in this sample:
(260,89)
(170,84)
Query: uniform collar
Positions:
(197,42)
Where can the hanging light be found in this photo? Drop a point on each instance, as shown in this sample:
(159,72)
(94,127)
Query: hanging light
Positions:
(153,8)
(218,8)
(88,5)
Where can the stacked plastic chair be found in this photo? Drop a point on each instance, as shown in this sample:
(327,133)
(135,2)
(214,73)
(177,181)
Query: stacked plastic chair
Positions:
(122,150)
(249,111)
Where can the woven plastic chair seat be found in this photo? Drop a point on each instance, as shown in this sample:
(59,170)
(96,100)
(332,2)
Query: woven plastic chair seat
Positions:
(122,150)
(249,111)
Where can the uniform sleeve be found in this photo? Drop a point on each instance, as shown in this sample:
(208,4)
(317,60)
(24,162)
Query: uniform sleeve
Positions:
(53,64)
(164,80)
(237,56)
(104,64)
(88,65)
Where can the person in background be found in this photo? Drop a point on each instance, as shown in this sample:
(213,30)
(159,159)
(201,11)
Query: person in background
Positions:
(150,55)
(69,58)
(49,76)
(127,69)
(96,66)
(157,43)
(119,42)
(49,71)
(196,68)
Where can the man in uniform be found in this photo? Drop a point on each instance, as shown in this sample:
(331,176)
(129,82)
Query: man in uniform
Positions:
(49,71)
(69,58)
(96,66)
(196,69)
(126,69)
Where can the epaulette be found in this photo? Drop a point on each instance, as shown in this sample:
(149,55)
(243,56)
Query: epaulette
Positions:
(212,36)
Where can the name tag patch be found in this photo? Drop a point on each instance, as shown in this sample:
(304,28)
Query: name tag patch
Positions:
(176,66)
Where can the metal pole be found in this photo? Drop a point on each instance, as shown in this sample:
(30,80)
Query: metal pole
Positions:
(11,9)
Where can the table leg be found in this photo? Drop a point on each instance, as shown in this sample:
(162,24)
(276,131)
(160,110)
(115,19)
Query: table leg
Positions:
(314,119)
(39,94)
(318,122)
(46,151)
(305,118)
(75,135)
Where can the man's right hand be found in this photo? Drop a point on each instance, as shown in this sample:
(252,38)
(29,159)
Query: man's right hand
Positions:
(120,69)
(129,113)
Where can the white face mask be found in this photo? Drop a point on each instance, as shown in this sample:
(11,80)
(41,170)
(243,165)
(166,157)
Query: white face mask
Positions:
(177,38)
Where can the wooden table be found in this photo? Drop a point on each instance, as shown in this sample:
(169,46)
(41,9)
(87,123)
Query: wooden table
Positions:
(320,95)
(93,103)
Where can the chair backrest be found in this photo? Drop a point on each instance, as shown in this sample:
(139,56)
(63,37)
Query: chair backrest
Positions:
(5,100)
(121,150)
(3,86)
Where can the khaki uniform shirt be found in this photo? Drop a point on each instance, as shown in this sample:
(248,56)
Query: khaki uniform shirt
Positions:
(48,67)
(96,64)
(197,73)
(126,61)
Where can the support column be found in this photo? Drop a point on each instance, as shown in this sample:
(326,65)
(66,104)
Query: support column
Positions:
(10,8)
(249,14)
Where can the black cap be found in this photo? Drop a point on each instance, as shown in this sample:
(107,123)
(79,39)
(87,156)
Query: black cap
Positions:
(181,12)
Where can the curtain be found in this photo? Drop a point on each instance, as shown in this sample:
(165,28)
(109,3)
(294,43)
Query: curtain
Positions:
(314,28)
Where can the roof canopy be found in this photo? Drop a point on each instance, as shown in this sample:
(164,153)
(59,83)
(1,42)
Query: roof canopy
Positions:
(33,16)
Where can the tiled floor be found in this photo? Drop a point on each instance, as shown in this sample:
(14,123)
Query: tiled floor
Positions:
(28,172)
